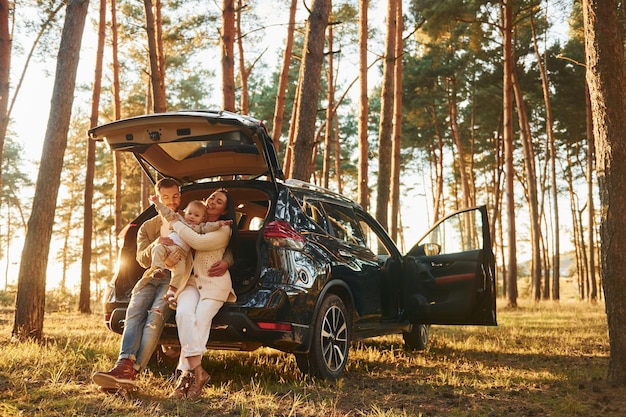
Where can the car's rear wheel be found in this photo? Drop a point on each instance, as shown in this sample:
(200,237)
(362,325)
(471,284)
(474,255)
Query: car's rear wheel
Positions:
(330,345)
(417,338)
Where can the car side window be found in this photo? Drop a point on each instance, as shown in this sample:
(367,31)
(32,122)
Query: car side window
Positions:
(372,239)
(313,209)
(343,224)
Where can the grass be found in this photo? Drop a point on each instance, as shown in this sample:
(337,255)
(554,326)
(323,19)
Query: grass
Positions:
(545,359)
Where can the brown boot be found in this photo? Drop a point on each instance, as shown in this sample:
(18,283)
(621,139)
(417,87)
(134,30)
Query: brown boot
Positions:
(200,378)
(121,376)
(184,381)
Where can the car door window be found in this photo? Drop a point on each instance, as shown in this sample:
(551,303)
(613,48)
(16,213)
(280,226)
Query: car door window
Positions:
(460,233)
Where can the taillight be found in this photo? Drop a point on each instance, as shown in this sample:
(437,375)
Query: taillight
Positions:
(281,233)
(283,327)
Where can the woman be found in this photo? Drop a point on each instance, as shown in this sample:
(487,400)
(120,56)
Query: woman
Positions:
(200,297)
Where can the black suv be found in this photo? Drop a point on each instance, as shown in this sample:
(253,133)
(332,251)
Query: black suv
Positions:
(313,271)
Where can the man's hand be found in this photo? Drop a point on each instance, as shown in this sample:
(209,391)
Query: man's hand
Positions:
(173,258)
(167,241)
(218,269)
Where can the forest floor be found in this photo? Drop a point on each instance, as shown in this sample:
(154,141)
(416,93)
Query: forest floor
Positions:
(543,359)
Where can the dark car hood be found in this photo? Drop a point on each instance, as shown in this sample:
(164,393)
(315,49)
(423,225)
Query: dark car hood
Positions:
(194,145)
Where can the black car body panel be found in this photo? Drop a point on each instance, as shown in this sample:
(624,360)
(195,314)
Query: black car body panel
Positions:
(304,252)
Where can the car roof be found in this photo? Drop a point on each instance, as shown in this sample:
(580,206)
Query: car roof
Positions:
(320,193)
(191,145)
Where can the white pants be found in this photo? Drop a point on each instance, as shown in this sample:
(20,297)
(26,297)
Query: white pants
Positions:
(193,318)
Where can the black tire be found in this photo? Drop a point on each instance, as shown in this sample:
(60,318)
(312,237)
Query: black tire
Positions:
(417,338)
(330,343)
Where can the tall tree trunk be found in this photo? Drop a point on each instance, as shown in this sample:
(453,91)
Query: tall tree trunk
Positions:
(337,156)
(397,126)
(578,238)
(84,305)
(281,92)
(308,89)
(330,98)
(117,108)
(386,119)
(7,251)
(363,174)
(160,54)
(437,164)
(531,184)
(605,77)
(511,276)
(5,72)
(227,40)
(456,135)
(584,273)
(31,290)
(157,72)
(497,185)
(243,72)
(591,212)
(66,219)
(556,246)
(146,186)
(292,132)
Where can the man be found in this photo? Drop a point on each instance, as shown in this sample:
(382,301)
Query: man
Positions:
(148,310)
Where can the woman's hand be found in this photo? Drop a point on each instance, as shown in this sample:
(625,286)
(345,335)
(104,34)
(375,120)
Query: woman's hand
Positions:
(218,269)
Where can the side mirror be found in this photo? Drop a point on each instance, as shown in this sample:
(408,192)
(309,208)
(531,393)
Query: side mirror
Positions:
(431,249)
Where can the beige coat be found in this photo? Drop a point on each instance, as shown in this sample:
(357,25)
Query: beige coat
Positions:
(209,248)
(148,238)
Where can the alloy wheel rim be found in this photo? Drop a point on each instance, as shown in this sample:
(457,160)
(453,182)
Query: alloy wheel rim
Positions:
(334,338)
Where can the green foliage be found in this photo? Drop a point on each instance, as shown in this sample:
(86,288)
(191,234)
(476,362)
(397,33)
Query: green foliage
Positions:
(191,92)
(58,299)
(61,300)
(7,297)
(69,214)
(13,203)
(457,57)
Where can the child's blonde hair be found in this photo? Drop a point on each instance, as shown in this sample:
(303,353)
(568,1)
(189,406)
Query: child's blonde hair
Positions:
(198,204)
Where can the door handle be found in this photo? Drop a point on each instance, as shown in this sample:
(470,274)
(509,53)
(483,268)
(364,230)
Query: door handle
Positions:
(345,253)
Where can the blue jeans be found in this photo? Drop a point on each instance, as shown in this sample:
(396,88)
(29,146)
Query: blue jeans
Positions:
(146,315)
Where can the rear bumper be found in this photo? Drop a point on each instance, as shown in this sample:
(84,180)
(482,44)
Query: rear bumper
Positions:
(230,330)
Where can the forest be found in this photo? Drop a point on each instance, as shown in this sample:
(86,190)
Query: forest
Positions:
(408,107)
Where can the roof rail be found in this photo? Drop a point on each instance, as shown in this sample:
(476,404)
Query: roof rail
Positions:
(314,187)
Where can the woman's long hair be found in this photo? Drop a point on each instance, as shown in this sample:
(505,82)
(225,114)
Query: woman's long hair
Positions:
(230,215)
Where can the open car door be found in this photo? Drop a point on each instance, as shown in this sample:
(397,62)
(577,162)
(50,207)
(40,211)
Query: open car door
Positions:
(453,281)
(194,145)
